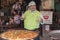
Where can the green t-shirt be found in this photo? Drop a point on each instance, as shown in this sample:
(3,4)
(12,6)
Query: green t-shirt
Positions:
(31,19)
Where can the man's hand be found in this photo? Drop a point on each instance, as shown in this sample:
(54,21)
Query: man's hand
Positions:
(22,17)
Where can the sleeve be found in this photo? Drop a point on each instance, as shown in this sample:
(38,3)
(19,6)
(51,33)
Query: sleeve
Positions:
(40,18)
(24,15)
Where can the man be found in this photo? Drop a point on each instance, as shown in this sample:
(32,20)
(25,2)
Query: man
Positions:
(17,7)
(31,17)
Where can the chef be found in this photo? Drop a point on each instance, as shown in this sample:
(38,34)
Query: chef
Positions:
(31,17)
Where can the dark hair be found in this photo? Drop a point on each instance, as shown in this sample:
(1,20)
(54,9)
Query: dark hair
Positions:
(15,11)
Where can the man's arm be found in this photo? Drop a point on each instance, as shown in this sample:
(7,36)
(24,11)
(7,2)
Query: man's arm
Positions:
(40,18)
(23,16)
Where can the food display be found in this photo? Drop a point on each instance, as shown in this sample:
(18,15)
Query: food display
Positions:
(19,35)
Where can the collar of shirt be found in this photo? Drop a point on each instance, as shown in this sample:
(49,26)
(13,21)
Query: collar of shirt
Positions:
(32,11)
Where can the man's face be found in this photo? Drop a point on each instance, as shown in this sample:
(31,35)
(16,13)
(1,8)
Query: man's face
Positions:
(32,7)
